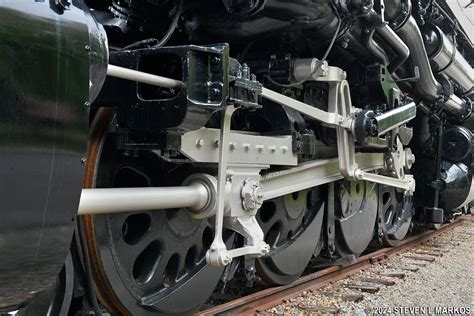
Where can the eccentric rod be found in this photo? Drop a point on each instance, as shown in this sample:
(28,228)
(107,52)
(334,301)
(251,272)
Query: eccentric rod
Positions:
(117,200)
(143,77)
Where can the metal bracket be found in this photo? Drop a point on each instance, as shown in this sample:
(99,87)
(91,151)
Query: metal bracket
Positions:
(203,145)
(245,224)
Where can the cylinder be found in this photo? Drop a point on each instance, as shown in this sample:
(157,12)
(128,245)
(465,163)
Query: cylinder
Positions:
(116,200)
(456,106)
(304,69)
(444,55)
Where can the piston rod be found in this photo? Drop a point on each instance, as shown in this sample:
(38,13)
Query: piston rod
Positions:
(143,77)
(116,200)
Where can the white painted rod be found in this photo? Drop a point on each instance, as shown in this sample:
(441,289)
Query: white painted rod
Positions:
(143,77)
(116,200)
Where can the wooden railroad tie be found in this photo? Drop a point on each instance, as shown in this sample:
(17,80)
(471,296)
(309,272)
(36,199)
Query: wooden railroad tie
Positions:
(346,297)
(393,275)
(378,281)
(429,259)
(419,264)
(319,309)
(430,253)
(363,288)
(405,268)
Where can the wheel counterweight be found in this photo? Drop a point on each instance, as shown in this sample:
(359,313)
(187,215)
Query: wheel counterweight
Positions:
(292,226)
(356,212)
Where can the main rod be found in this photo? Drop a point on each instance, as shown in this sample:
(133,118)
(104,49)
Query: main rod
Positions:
(143,77)
(116,200)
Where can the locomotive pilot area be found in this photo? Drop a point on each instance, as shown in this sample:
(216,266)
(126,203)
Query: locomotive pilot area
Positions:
(236,157)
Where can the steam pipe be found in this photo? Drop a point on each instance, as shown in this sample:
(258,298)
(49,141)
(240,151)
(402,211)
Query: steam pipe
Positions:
(402,50)
(427,84)
(374,48)
(449,61)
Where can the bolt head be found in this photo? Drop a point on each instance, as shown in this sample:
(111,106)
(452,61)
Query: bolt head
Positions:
(199,143)
(215,92)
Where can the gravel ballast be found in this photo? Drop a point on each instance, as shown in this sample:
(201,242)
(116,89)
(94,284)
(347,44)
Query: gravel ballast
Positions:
(443,286)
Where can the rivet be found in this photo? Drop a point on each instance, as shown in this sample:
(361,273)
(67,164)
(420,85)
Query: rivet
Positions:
(284,149)
(246,147)
(83,160)
(87,48)
(216,143)
(199,143)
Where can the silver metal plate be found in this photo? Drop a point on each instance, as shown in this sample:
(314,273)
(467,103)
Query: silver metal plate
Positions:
(202,145)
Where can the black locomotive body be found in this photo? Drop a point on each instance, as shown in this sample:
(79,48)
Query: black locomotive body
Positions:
(155,149)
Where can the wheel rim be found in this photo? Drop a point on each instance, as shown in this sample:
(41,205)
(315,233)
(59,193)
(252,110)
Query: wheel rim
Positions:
(144,262)
(356,214)
(391,206)
(292,225)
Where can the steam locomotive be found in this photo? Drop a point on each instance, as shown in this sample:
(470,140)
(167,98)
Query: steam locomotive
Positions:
(155,149)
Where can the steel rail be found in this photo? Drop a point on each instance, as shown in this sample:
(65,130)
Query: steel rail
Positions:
(268,298)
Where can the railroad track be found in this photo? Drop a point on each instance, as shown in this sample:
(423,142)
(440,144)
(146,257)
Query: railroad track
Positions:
(268,298)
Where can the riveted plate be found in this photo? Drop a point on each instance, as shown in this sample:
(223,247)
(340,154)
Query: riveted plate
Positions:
(202,145)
